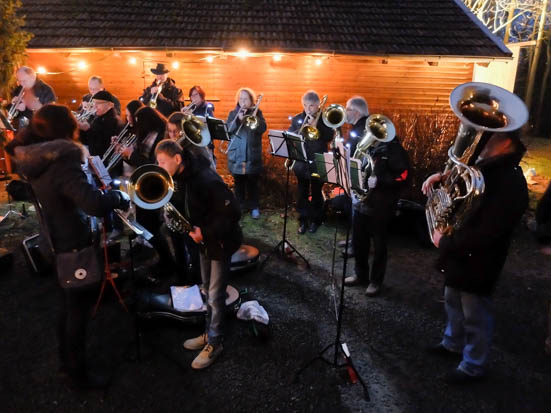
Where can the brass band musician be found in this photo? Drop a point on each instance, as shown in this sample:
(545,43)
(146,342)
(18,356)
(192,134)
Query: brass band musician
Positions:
(162,94)
(357,112)
(95,85)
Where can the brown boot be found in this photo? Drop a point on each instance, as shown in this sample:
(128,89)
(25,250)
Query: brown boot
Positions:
(207,356)
(196,343)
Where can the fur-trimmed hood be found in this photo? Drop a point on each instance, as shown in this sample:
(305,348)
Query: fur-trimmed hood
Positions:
(33,160)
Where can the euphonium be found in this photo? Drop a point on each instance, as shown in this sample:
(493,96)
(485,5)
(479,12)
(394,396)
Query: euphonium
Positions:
(378,128)
(151,187)
(481,108)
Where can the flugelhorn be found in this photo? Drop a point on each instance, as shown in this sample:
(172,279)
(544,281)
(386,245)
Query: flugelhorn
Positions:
(481,108)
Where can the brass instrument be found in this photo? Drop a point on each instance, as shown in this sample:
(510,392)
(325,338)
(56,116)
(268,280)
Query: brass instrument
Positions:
(151,187)
(334,116)
(13,112)
(190,108)
(481,108)
(153,100)
(378,128)
(251,121)
(193,129)
(125,140)
(114,143)
(310,132)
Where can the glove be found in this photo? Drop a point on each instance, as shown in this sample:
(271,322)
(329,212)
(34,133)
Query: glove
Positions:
(372,182)
(122,200)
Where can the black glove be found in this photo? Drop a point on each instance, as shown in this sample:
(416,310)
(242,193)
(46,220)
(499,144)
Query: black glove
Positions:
(120,200)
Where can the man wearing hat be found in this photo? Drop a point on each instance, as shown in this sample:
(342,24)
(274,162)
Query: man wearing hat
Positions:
(106,124)
(95,85)
(471,258)
(167,100)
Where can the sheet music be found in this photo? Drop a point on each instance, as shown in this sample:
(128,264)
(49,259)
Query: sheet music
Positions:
(287,144)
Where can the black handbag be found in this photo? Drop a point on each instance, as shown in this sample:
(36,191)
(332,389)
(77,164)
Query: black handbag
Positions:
(79,269)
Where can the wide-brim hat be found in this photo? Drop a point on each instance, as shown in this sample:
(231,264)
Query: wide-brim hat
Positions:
(160,69)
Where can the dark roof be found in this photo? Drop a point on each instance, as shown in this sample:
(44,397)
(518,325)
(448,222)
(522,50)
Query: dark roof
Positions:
(371,27)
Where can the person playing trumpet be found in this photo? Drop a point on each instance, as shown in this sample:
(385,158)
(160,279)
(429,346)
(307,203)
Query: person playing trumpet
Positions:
(162,94)
(310,211)
(245,149)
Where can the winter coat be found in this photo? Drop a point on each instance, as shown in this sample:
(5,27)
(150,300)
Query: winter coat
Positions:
(168,100)
(144,151)
(355,135)
(392,170)
(98,137)
(42,91)
(54,170)
(472,257)
(245,149)
(205,200)
(302,169)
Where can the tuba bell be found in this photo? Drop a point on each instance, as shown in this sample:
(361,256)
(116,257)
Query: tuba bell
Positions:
(483,109)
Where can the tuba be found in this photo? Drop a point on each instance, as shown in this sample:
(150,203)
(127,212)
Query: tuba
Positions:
(481,108)
(151,187)
(378,128)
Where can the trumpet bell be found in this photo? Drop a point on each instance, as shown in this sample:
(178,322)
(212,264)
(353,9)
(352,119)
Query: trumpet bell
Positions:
(150,187)
(334,116)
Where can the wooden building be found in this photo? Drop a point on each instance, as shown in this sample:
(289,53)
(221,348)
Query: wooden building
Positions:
(399,55)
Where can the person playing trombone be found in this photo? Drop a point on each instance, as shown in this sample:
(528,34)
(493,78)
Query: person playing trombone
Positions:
(310,211)
(246,125)
(200,107)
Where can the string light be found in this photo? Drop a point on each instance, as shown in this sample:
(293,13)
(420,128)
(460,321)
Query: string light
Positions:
(290,117)
(175,65)
(41,70)
(132,60)
(82,65)
(243,53)
(318,61)
(210,59)
(74,101)
(277,57)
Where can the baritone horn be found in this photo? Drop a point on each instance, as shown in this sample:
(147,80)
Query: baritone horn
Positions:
(194,129)
(483,109)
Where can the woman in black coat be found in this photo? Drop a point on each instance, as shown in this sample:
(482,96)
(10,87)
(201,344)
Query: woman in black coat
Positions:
(51,161)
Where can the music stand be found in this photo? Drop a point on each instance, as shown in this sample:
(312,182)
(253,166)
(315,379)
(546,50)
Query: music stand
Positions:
(290,146)
(217,129)
(336,167)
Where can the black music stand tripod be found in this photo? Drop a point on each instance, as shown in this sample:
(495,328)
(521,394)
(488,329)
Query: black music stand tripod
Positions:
(290,146)
(341,165)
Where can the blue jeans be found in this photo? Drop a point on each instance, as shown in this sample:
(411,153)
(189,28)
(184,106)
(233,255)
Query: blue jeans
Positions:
(469,329)
(214,274)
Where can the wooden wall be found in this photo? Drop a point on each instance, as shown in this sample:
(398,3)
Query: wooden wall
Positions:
(389,85)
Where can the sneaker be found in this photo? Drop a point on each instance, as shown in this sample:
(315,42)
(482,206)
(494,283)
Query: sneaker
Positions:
(196,343)
(352,280)
(207,356)
(255,213)
(458,377)
(372,290)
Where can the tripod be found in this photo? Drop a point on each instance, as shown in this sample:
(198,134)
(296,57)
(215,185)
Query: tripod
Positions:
(338,345)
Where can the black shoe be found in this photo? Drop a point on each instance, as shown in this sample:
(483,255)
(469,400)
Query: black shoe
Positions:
(441,351)
(301,227)
(313,227)
(457,377)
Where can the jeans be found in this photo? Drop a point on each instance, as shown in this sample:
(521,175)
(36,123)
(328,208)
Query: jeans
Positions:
(249,184)
(469,329)
(214,274)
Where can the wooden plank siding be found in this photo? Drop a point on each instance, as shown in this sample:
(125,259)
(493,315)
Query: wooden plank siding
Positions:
(390,86)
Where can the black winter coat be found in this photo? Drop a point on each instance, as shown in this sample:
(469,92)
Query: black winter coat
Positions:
(144,152)
(98,137)
(205,200)
(355,135)
(42,91)
(168,100)
(472,257)
(392,172)
(54,170)
(302,169)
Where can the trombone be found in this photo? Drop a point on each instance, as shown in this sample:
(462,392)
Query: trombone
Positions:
(250,121)
(310,132)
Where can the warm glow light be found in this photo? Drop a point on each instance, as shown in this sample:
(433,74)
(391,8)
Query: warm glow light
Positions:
(82,65)
(210,59)
(318,62)
(132,60)
(277,57)
(242,53)
(74,101)
(175,65)
(41,70)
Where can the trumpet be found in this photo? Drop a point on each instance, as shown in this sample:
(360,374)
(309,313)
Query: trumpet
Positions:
(127,140)
(309,131)
(114,143)
(13,112)
(153,100)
